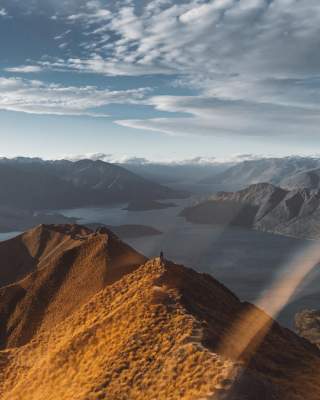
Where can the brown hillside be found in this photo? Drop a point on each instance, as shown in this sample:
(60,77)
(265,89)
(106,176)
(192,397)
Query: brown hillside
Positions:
(71,264)
(27,252)
(156,334)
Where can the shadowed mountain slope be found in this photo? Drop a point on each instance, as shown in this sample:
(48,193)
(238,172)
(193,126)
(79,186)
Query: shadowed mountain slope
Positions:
(264,207)
(37,184)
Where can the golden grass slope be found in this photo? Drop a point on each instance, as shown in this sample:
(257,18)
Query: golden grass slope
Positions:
(155,334)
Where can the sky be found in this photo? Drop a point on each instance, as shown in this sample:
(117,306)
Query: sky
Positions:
(159,79)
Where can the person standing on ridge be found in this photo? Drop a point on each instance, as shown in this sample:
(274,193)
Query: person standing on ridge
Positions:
(161,257)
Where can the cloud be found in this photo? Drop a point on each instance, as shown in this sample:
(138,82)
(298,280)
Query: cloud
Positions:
(254,64)
(213,116)
(248,38)
(62,35)
(133,160)
(63,45)
(97,65)
(24,69)
(96,16)
(231,159)
(261,37)
(88,156)
(3,12)
(196,161)
(44,7)
(36,97)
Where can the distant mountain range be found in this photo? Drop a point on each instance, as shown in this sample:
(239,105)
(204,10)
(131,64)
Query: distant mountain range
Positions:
(287,172)
(182,173)
(264,207)
(306,179)
(38,184)
(90,318)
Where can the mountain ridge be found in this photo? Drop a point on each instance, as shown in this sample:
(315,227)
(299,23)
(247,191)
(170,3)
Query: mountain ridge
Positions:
(287,172)
(154,332)
(37,184)
(265,207)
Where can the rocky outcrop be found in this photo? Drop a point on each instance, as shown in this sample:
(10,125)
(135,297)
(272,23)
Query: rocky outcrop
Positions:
(307,324)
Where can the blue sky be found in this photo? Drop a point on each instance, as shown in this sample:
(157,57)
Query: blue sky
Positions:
(159,79)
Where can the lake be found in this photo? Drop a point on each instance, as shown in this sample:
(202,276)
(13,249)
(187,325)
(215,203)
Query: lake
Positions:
(8,235)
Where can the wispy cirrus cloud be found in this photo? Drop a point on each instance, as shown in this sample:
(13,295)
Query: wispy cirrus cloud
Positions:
(62,35)
(25,69)
(98,15)
(36,97)
(98,65)
(214,116)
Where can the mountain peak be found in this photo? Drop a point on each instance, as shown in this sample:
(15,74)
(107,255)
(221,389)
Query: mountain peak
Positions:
(66,229)
(60,268)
